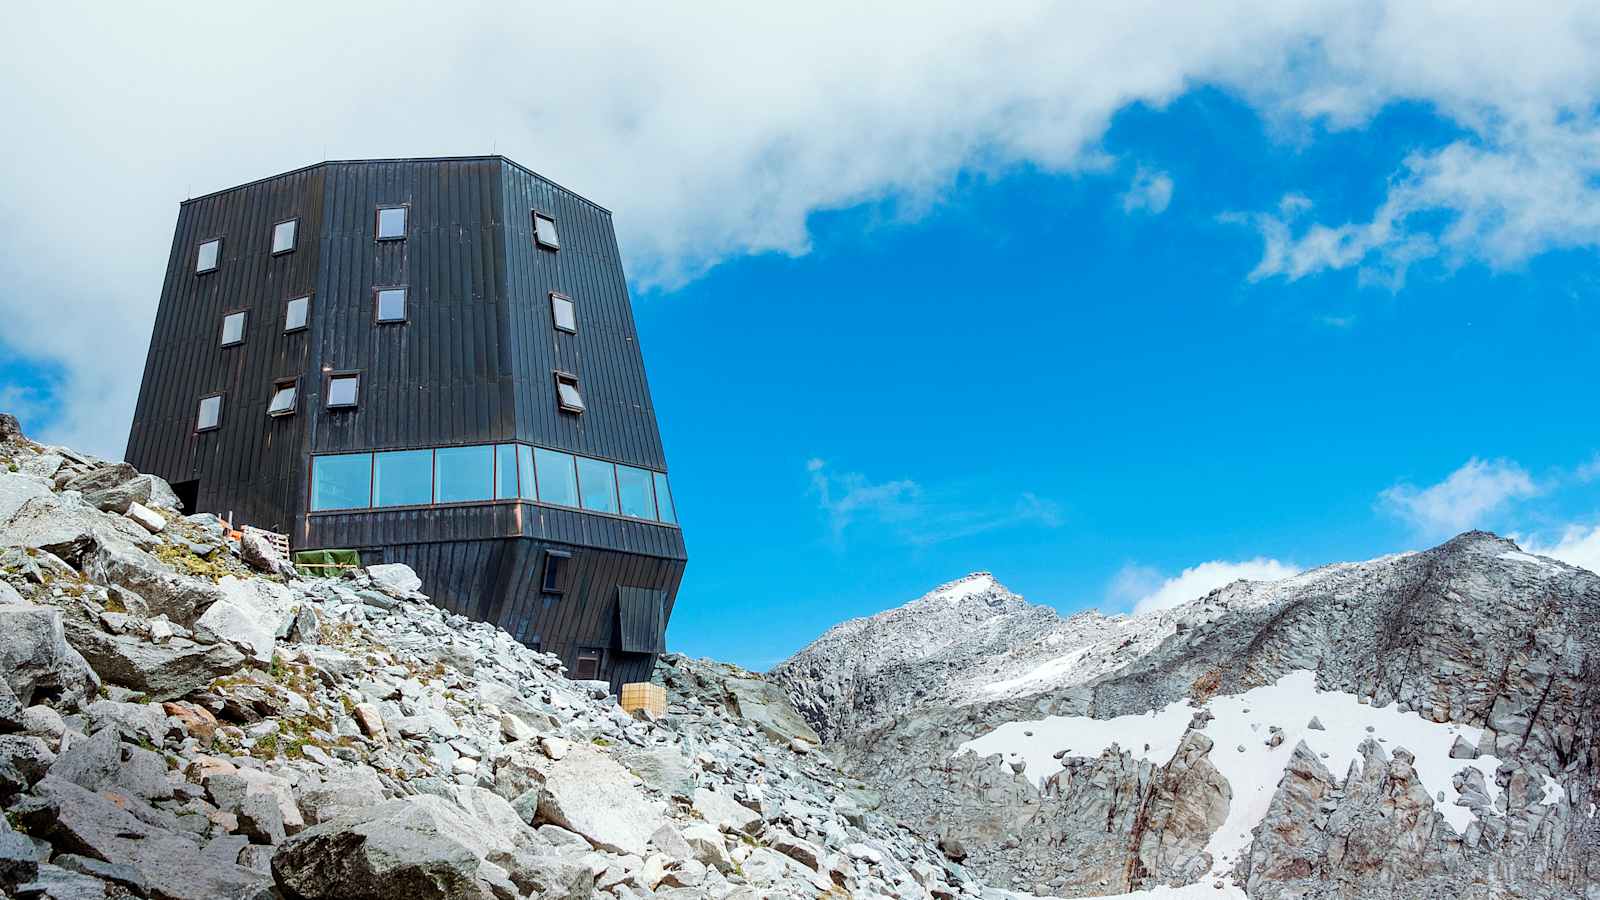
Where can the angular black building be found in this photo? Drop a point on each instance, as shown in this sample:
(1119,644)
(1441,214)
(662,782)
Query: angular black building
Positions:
(434,362)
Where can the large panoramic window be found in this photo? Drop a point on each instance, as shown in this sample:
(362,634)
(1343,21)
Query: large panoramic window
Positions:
(343,391)
(463,474)
(295,313)
(402,478)
(210,414)
(283,236)
(557,482)
(544,232)
(567,396)
(391,223)
(597,484)
(505,471)
(665,510)
(566,314)
(341,481)
(638,499)
(283,395)
(391,304)
(233,328)
(208,256)
(482,473)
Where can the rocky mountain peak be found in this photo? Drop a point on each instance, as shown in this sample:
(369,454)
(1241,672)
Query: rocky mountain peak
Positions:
(1192,747)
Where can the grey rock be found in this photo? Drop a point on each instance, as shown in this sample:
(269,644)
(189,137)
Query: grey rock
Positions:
(102,477)
(119,874)
(24,759)
(89,824)
(161,671)
(395,579)
(589,793)
(16,489)
(55,883)
(35,656)
(261,819)
(1461,749)
(92,762)
(420,847)
(250,614)
(259,554)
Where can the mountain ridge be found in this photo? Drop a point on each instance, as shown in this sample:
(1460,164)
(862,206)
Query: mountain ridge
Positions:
(1472,634)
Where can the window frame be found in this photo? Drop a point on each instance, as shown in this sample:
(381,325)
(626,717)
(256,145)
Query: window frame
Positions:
(216,264)
(563,580)
(405,304)
(377,222)
(302,326)
(539,242)
(294,243)
(564,377)
(327,389)
(555,319)
(599,655)
(244,330)
(311,485)
(222,406)
(294,402)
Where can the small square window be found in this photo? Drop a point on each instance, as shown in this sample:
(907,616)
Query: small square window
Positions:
(283,398)
(391,304)
(208,257)
(566,313)
(544,232)
(233,329)
(296,313)
(343,391)
(567,396)
(557,566)
(283,236)
(210,415)
(391,223)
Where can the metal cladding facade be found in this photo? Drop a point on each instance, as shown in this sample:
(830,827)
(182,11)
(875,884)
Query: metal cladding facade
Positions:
(474,362)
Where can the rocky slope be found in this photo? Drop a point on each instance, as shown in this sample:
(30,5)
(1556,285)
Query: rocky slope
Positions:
(1417,725)
(182,717)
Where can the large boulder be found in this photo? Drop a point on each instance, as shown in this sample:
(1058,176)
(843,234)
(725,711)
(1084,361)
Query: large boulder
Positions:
(69,528)
(588,792)
(164,671)
(146,490)
(119,831)
(420,848)
(395,579)
(101,477)
(164,592)
(35,658)
(16,489)
(763,704)
(258,553)
(250,614)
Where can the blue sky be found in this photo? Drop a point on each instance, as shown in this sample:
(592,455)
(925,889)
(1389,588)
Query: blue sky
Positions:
(1118,301)
(1032,338)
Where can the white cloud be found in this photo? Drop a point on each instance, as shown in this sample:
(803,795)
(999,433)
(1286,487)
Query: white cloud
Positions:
(1151,192)
(717,130)
(1144,588)
(905,512)
(1463,500)
(1578,545)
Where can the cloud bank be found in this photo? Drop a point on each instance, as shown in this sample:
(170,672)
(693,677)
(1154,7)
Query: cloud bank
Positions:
(1144,589)
(1463,500)
(714,131)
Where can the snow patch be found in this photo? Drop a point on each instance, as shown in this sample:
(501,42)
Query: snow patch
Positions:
(1530,559)
(962,588)
(1044,672)
(1244,720)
